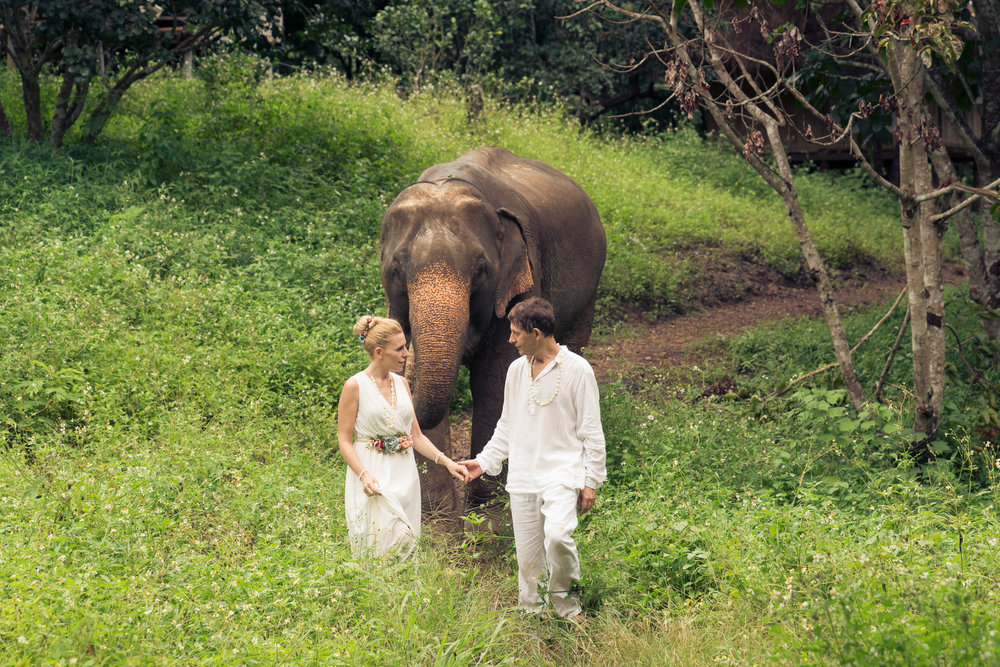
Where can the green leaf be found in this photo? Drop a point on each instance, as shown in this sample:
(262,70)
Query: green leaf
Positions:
(36,484)
(847,425)
(940,447)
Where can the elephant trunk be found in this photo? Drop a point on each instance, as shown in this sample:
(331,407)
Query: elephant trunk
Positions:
(439,315)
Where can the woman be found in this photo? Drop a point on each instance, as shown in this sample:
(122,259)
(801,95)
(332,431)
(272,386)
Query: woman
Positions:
(377,433)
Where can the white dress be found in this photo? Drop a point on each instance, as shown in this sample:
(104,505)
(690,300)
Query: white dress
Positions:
(387,523)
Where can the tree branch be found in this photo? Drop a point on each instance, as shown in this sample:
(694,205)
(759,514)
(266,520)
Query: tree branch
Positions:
(137,71)
(947,104)
(862,341)
(977,193)
(951,187)
(892,355)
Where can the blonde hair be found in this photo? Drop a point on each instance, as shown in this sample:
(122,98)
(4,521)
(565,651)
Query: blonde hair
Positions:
(376,332)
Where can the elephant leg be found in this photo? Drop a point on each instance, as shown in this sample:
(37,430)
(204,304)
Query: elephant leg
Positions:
(577,336)
(440,499)
(486,381)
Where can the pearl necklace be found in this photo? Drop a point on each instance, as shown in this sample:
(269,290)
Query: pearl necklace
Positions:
(388,416)
(531,384)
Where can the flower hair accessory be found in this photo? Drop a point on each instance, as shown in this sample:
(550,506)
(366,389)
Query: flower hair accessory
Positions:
(364,333)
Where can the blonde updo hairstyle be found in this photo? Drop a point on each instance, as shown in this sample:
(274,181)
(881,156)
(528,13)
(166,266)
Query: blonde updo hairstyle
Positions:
(376,332)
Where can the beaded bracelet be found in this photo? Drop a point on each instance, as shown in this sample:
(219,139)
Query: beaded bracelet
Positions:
(438,457)
(362,473)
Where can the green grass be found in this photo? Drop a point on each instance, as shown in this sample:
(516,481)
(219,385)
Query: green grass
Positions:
(175,306)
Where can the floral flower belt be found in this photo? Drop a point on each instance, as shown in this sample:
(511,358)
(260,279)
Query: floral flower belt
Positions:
(391,444)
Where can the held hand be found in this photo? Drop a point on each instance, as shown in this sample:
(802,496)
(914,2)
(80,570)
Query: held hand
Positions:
(371,486)
(458,471)
(472,469)
(586,499)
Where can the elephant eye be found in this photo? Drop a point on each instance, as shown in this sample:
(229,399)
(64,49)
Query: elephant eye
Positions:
(481,271)
(395,274)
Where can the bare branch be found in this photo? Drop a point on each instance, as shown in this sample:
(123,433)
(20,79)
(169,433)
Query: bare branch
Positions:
(948,189)
(580,12)
(862,341)
(947,105)
(892,355)
(846,133)
(977,194)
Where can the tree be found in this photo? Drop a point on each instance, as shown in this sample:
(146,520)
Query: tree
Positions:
(424,37)
(517,49)
(112,42)
(339,33)
(752,98)
(741,93)
(955,86)
(905,38)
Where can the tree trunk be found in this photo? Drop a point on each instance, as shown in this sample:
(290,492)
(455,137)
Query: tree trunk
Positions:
(69,103)
(5,129)
(991,245)
(991,252)
(31,91)
(980,289)
(987,19)
(817,271)
(20,49)
(100,115)
(102,112)
(984,274)
(921,246)
(784,186)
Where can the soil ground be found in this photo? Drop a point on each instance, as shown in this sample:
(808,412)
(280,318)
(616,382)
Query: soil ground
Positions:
(676,341)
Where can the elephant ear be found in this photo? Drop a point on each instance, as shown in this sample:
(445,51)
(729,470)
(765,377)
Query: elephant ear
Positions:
(515,268)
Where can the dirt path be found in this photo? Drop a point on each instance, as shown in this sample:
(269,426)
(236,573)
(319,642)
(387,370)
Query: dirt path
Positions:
(672,341)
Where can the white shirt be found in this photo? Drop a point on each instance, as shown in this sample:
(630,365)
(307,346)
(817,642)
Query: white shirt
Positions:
(558,443)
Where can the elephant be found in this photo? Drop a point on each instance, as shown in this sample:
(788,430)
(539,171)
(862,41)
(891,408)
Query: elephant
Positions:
(462,245)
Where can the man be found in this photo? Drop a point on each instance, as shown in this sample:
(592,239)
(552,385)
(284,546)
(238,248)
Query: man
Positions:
(550,432)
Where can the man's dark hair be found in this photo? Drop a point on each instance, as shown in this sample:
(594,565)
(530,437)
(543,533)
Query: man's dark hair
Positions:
(534,313)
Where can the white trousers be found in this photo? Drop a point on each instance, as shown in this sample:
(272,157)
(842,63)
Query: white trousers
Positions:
(543,537)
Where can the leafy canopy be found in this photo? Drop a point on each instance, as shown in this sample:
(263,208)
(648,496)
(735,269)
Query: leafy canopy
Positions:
(116,43)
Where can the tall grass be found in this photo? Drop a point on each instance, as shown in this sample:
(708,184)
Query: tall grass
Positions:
(176,305)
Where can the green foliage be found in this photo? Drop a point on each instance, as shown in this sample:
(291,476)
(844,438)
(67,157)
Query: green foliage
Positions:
(329,33)
(117,43)
(764,362)
(900,626)
(176,304)
(811,521)
(45,400)
(422,38)
(522,50)
(932,27)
